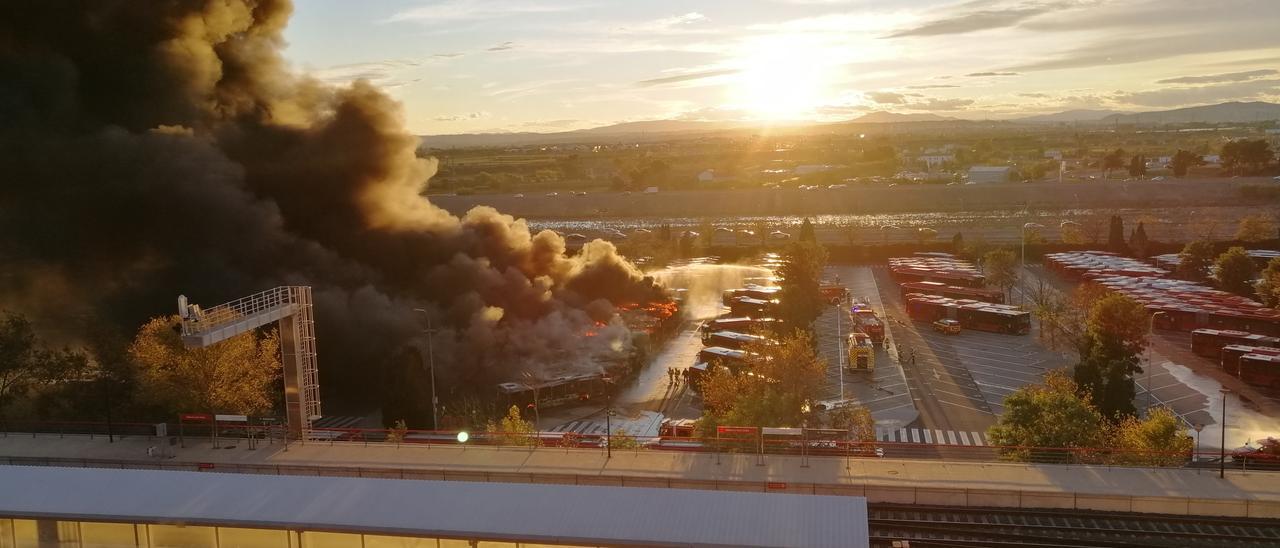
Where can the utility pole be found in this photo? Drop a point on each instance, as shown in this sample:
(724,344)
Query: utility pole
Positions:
(1222,450)
(1022,290)
(840,345)
(431,359)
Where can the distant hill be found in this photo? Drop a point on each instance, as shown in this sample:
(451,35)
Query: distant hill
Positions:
(1077,115)
(1223,113)
(886,117)
(643,130)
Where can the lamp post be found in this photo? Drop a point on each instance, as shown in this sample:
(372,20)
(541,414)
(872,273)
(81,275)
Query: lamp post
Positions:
(884,232)
(840,346)
(431,359)
(1151,327)
(1222,451)
(1196,455)
(1022,291)
(608,418)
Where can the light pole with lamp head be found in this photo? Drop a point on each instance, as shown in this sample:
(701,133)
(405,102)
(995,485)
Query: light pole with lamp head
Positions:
(1151,327)
(1196,455)
(1022,291)
(840,344)
(1222,451)
(431,360)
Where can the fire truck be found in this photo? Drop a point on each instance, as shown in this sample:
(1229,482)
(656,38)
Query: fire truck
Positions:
(863,319)
(862,356)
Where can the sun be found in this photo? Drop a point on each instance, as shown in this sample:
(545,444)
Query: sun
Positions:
(781,78)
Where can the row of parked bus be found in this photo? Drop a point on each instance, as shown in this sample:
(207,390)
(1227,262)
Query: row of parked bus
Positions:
(1254,358)
(976,315)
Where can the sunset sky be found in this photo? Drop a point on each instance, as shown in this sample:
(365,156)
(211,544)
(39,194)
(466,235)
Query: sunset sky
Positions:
(464,66)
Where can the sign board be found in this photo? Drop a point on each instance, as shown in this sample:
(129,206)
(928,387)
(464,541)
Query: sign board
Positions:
(735,429)
(231,418)
(781,431)
(162,429)
(196,417)
(827,433)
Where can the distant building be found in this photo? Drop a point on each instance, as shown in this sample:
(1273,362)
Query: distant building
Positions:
(989,174)
(1054,154)
(935,160)
(710,176)
(1211,159)
(811,168)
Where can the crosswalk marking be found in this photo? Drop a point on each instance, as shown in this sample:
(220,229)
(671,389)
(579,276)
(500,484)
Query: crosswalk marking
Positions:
(930,437)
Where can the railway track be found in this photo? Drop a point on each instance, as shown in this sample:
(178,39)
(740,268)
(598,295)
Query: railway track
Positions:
(947,527)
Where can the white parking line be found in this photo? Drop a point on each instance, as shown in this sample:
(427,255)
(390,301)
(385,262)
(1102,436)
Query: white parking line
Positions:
(951,437)
(964,438)
(977,440)
(928,437)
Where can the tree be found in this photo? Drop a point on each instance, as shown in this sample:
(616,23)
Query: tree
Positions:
(233,376)
(1234,271)
(1114,160)
(1138,242)
(957,243)
(1268,288)
(806,232)
(397,432)
(1256,228)
(1194,260)
(1115,235)
(800,295)
(1052,414)
(1115,335)
(1237,155)
(855,419)
(1183,161)
(25,362)
(776,387)
(1001,268)
(1137,166)
(512,429)
(1160,439)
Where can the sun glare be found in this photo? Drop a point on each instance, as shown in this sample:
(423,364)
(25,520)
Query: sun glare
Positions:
(782,78)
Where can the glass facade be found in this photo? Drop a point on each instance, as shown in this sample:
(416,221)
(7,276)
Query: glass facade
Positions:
(31,533)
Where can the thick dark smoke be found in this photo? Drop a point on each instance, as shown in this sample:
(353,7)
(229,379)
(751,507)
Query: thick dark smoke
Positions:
(149,149)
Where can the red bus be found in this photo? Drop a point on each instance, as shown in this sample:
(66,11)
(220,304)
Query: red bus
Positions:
(1260,370)
(979,316)
(739,324)
(1231,353)
(1209,342)
(953,291)
(734,340)
(754,291)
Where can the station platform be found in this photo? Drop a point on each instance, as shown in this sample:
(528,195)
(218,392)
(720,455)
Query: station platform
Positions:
(965,484)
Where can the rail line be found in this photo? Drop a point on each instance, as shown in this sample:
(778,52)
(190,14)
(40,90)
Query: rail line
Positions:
(940,526)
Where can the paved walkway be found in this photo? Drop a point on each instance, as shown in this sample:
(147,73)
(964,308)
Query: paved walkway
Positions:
(885,480)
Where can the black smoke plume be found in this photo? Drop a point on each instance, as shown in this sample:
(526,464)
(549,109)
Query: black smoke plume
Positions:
(149,149)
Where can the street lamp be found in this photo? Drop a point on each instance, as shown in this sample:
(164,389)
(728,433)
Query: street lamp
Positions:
(1196,455)
(1222,451)
(1022,290)
(884,232)
(1151,326)
(840,345)
(431,359)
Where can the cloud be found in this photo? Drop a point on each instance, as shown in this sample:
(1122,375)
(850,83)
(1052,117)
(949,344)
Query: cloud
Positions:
(1198,95)
(886,97)
(382,73)
(502,47)
(1034,95)
(691,17)
(554,124)
(963,22)
(977,74)
(686,77)
(480,115)
(941,104)
(472,10)
(933,86)
(448,55)
(1149,48)
(1219,78)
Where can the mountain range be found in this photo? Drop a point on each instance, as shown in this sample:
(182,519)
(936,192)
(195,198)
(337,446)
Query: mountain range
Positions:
(650,130)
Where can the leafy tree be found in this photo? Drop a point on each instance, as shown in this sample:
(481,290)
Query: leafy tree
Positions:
(1137,166)
(1138,242)
(1114,160)
(1001,268)
(622,440)
(957,243)
(1115,235)
(25,362)
(1072,233)
(776,388)
(1256,228)
(1234,271)
(1160,439)
(1050,414)
(512,429)
(856,419)
(1268,288)
(1195,260)
(1254,154)
(396,433)
(800,297)
(234,376)
(806,232)
(1183,161)
(1115,335)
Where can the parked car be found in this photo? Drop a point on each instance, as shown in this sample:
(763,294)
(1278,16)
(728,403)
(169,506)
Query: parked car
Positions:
(779,235)
(947,327)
